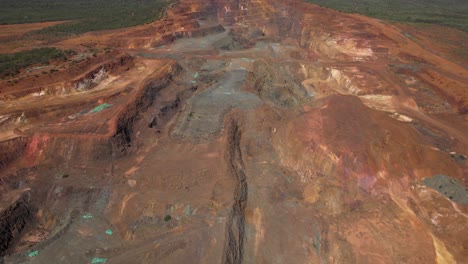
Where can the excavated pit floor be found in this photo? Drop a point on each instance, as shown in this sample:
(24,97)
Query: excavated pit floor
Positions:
(258,154)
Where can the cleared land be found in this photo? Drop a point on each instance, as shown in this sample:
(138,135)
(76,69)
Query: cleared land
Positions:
(10,64)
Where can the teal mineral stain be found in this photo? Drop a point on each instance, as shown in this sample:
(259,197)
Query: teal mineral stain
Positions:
(109,232)
(195,75)
(188,210)
(98,260)
(100,108)
(407,35)
(87,216)
(33,254)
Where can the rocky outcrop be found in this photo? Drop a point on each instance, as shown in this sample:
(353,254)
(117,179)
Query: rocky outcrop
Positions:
(234,245)
(15,214)
(11,150)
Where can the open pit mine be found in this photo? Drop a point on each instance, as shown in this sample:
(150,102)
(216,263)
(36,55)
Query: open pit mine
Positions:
(244,131)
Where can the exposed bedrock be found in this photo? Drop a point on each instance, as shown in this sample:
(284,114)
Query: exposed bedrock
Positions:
(84,75)
(10,150)
(380,166)
(50,159)
(234,245)
(97,140)
(15,214)
(123,134)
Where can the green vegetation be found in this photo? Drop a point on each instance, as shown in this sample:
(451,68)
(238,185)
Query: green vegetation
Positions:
(83,15)
(10,64)
(167,218)
(453,13)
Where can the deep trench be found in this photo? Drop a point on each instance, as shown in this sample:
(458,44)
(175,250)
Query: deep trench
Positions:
(234,248)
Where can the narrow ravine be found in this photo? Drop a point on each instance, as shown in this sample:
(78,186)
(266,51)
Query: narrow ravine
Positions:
(234,247)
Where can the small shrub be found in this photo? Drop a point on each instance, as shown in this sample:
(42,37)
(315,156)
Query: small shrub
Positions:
(167,218)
